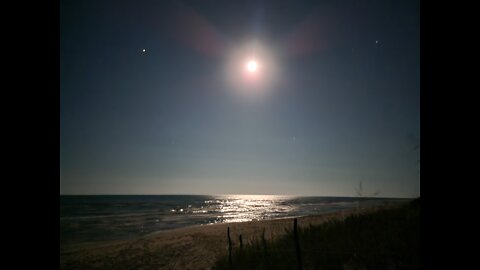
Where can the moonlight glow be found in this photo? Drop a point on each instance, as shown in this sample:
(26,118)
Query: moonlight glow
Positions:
(252,66)
(251,70)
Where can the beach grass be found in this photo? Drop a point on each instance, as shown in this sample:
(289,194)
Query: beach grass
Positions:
(382,239)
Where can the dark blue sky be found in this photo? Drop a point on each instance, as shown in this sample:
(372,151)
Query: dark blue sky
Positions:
(337,102)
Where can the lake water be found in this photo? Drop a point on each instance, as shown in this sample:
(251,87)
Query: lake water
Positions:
(102,218)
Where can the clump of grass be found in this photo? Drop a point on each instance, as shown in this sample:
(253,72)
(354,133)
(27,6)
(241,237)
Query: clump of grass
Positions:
(384,239)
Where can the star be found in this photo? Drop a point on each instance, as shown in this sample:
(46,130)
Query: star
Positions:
(143,50)
(376,41)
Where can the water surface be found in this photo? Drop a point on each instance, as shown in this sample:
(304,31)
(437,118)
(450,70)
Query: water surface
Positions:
(101,218)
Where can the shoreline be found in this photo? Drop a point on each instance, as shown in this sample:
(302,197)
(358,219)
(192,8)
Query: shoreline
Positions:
(191,247)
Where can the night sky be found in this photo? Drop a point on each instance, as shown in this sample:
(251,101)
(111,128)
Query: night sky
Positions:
(155,97)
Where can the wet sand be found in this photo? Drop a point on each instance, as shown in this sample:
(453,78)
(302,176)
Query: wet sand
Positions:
(196,247)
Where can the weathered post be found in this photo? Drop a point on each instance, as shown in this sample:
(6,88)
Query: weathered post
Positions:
(264,241)
(265,251)
(241,242)
(229,248)
(297,244)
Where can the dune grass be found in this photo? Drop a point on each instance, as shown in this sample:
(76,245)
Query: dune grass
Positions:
(384,239)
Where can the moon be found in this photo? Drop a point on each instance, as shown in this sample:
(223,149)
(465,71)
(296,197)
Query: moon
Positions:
(252,66)
(251,70)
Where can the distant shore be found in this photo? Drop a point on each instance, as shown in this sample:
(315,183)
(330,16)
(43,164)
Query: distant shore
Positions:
(195,247)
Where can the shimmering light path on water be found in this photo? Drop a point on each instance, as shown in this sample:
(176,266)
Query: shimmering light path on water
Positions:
(98,218)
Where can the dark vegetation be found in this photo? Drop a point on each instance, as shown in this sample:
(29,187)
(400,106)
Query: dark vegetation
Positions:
(384,239)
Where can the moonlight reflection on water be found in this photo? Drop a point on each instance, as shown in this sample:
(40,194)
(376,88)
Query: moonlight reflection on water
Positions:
(96,218)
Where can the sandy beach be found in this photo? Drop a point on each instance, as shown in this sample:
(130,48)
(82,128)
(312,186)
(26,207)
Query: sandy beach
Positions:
(195,247)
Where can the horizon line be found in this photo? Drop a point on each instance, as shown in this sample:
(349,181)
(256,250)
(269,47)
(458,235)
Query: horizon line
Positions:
(230,194)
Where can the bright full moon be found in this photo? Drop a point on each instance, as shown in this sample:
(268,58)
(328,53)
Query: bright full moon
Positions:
(252,66)
(251,70)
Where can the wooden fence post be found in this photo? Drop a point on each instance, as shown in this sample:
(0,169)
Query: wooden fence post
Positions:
(229,248)
(241,242)
(297,244)
(264,241)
